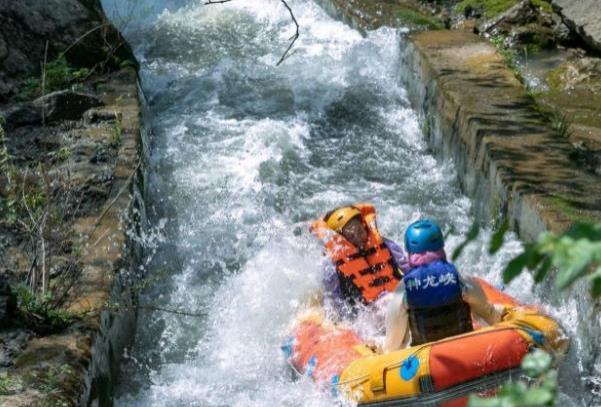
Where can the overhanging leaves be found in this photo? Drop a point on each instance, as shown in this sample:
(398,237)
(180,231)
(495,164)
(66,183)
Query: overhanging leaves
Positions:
(496,242)
(470,237)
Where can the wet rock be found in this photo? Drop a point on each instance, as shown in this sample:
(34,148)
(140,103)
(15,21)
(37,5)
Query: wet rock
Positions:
(65,105)
(584,73)
(562,32)
(12,342)
(3,48)
(22,114)
(583,17)
(32,143)
(543,37)
(7,303)
(95,116)
(522,13)
(523,23)
(27,28)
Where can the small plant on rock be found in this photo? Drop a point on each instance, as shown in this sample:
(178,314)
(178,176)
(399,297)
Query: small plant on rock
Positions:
(51,380)
(562,125)
(41,312)
(59,74)
(61,155)
(7,384)
(116,131)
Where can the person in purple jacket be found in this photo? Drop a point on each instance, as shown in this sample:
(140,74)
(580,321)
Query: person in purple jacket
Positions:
(339,295)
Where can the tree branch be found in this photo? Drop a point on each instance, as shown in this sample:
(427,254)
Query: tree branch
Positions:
(119,307)
(292,39)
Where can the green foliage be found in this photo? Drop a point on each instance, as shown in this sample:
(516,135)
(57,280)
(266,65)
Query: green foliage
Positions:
(7,384)
(537,366)
(415,18)
(59,75)
(61,155)
(116,131)
(6,160)
(509,54)
(545,5)
(128,63)
(472,234)
(9,204)
(50,380)
(496,242)
(575,253)
(562,125)
(492,8)
(40,311)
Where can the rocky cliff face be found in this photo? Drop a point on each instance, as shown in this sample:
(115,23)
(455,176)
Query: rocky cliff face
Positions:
(77,28)
(584,18)
(71,202)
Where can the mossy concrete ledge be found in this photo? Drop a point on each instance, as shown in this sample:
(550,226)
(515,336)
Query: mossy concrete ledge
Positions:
(78,367)
(509,158)
(507,154)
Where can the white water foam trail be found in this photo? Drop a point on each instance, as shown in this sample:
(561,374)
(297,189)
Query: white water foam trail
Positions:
(244,154)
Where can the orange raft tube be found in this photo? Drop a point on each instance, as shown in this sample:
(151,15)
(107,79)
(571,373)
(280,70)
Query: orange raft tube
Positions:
(336,358)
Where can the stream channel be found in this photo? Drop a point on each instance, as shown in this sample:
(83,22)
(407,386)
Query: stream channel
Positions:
(242,155)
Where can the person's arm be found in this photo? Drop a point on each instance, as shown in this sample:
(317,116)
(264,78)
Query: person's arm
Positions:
(397,321)
(398,255)
(476,299)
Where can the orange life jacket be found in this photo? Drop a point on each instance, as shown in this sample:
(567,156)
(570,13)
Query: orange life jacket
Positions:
(369,271)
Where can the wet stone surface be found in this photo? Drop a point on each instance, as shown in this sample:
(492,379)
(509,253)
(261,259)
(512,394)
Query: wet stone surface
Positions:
(78,149)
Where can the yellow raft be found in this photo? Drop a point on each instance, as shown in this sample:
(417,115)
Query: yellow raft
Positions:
(336,357)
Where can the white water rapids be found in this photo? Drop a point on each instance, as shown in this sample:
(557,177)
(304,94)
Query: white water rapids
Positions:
(242,155)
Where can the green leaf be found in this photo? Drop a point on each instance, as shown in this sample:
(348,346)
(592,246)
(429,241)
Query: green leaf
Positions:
(542,269)
(597,282)
(550,380)
(515,267)
(536,363)
(470,237)
(496,242)
(475,401)
(573,260)
(588,231)
(537,397)
(534,257)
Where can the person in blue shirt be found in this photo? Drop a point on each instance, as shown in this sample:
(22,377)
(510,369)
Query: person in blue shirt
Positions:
(433,301)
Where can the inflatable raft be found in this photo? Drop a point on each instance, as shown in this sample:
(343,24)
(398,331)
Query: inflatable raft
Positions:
(338,360)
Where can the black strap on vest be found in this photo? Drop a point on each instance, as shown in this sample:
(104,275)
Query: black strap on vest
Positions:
(433,324)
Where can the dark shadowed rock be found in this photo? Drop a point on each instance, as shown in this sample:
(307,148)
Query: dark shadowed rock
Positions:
(21,114)
(27,25)
(95,116)
(523,23)
(584,19)
(521,14)
(12,342)
(65,105)
(7,303)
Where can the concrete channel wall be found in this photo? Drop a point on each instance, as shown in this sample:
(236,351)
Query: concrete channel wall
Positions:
(79,366)
(509,159)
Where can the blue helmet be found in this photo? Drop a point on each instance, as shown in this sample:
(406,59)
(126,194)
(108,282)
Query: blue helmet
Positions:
(423,236)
